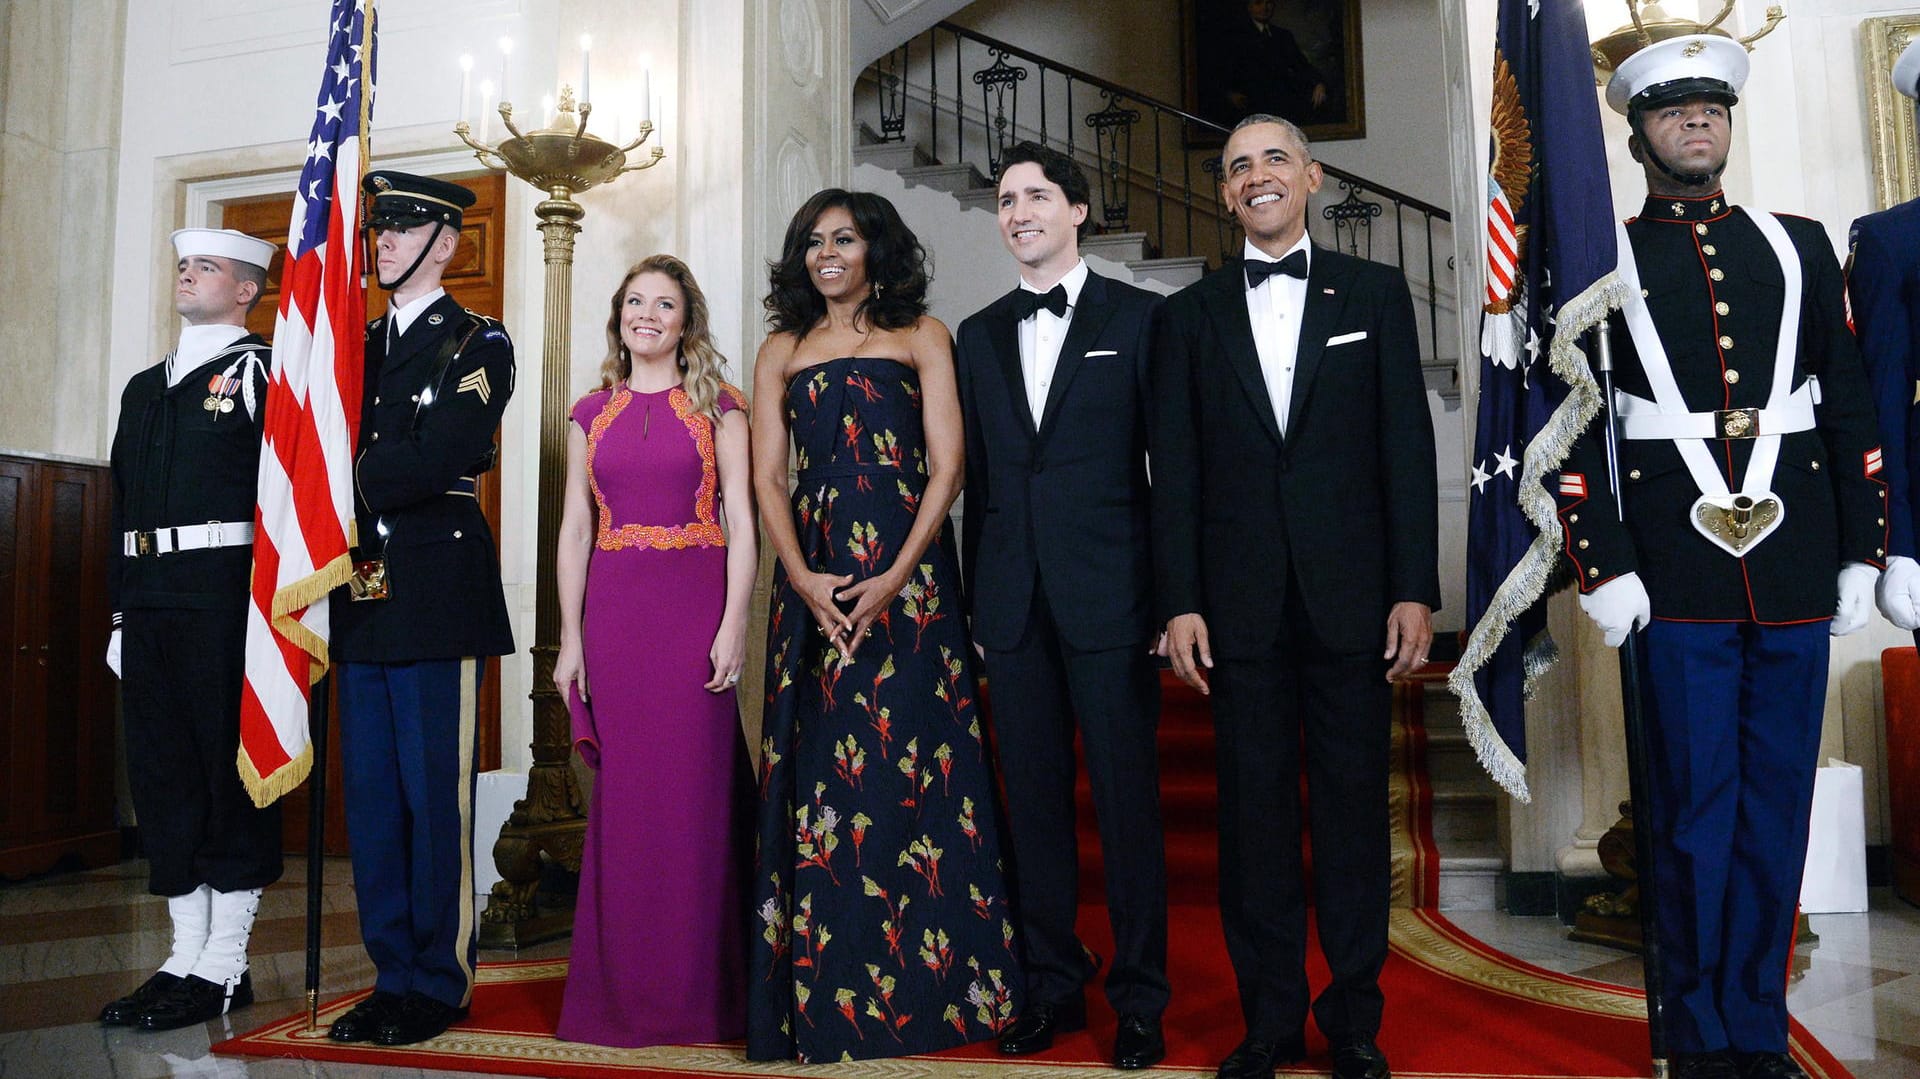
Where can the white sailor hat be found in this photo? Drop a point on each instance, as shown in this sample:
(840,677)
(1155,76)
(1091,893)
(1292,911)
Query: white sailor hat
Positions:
(223,243)
(1679,67)
(1906,70)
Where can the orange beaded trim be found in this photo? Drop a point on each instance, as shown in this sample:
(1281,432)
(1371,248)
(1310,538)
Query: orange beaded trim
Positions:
(705,530)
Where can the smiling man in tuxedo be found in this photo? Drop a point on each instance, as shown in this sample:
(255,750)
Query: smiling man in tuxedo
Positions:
(1295,532)
(1054,543)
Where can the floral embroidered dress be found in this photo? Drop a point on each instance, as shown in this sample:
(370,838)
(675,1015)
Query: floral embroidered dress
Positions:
(882,910)
(659,929)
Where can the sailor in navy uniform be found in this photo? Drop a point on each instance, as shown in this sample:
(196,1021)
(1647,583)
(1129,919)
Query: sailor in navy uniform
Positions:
(410,633)
(185,462)
(1755,526)
(1883,282)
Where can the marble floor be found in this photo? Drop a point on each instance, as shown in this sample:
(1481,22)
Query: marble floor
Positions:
(69,942)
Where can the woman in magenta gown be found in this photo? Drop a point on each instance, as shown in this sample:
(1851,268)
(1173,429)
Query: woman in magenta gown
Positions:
(656,565)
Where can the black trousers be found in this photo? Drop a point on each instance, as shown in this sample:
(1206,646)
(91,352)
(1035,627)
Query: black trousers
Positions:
(180,703)
(1302,702)
(1040,689)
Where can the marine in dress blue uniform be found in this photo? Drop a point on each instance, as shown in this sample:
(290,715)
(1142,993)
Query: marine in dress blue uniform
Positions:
(186,459)
(410,633)
(1883,282)
(1755,524)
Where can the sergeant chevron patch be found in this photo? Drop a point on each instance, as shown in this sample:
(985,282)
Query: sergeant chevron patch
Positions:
(477,383)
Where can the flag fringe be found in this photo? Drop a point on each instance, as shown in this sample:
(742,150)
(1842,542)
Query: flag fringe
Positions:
(265,790)
(1528,579)
(300,595)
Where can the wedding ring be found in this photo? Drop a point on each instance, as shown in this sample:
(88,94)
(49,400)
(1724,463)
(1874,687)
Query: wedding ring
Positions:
(733,679)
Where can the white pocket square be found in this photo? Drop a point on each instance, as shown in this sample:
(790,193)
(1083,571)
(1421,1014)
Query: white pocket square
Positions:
(1100,352)
(1357,335)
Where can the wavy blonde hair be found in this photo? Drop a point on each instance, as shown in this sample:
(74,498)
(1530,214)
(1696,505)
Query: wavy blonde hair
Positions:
(702,366)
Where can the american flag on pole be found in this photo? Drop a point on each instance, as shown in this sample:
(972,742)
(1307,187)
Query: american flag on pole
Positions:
(1550,259)
(305,499)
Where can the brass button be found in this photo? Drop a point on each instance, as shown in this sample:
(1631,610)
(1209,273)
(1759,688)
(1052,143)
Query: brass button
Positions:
(1815,465)
(1716,274)
(1721,308)
(1882,522)
(456,533)
(1574,518)
(1583,545)
(1701,228)
(376,400)
(1634,475)
(1644,293)
(1594,571)
(1879,553)
(1708,249)
(1725,341)
(376,436)
(1732,376)
(415,399)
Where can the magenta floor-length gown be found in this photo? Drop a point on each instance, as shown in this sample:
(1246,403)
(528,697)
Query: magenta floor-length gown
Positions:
(658,951)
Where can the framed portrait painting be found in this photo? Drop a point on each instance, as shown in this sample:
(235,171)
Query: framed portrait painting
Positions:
(1892,139)
(1299,59)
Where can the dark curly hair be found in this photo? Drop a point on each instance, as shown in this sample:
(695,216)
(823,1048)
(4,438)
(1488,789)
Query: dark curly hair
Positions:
(896,267)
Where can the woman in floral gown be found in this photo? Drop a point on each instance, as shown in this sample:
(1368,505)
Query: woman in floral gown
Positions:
(882,924)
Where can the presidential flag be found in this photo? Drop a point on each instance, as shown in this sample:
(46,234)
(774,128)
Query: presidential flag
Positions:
(305,499)
(1550,258)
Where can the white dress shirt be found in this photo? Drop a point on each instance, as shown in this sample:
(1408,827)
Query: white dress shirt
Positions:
(399,319)
(1274,308)
(1041,337)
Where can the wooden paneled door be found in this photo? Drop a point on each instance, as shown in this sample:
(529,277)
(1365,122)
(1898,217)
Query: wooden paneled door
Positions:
(474,279)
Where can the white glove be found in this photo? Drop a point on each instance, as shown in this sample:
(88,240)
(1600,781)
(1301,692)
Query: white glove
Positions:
(113,653)
(1619,606)
(1898,593)
(1856,599)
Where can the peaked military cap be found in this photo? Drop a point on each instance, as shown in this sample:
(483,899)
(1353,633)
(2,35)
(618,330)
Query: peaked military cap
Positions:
(1678,68)
(403,200)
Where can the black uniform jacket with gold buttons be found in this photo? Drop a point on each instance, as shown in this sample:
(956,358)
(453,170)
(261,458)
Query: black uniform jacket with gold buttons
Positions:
(177,463)
(1714,288)
(428,416)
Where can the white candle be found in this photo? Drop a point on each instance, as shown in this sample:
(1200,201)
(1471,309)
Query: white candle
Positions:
(586,51)
(466,85)
(506,52)
(486,108)
(646,95)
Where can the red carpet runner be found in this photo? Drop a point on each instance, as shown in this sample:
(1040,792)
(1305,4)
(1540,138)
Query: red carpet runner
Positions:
(1455,1007)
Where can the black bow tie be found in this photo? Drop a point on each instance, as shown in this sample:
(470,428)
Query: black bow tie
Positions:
(1027,304)
(1258,270)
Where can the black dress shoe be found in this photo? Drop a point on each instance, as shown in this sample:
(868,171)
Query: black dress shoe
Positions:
(1255,1059)
(1360,1060)
(1139,1044)
(1767,1066)
(195,1000)
(1715,1065)
(364,1019)
(418,1018)
(122,1012)
(1033,1032)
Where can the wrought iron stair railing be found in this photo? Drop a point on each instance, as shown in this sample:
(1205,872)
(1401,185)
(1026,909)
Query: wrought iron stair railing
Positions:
(965,97)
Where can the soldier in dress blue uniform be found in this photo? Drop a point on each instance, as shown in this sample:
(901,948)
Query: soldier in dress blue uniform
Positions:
(1755,523)
(185,463)
(411,631)
(1883,281)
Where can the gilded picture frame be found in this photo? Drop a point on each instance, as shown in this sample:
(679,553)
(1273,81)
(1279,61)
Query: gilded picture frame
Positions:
(1891,135)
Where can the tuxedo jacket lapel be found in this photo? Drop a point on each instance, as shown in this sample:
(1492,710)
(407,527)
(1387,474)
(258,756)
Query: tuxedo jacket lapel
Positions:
(1326,297)
(1003,332)
(1227,303)
(1090,316)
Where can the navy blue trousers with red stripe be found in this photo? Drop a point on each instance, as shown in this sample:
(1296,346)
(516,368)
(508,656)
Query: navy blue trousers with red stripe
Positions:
(1733,715)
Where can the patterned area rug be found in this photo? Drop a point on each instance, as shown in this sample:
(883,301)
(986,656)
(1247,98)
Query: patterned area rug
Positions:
(1456,1008)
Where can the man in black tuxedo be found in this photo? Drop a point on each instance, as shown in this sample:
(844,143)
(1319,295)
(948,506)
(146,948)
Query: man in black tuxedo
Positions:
(1295,532)
(1053,385)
